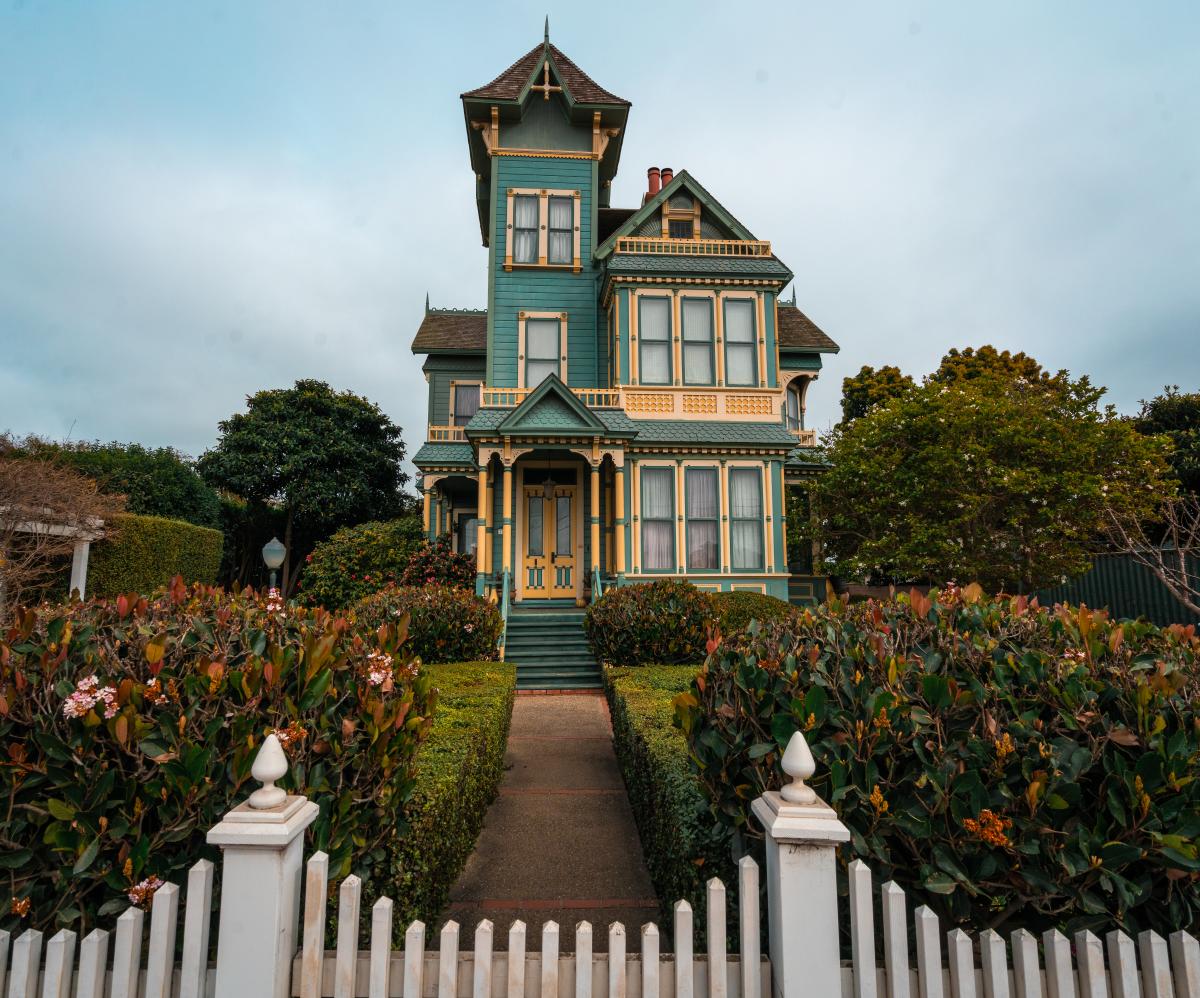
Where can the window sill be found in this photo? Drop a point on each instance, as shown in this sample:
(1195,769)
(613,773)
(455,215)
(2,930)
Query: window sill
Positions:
(576,266)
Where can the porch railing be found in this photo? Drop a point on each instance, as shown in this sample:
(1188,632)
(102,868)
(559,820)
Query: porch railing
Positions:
(693,247)
(510,398)
(446,434)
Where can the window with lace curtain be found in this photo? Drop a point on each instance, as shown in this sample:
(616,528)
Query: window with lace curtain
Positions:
(654,340)
(544,228)
(525,229)
(658,519)
(697,317)
(561,230)
(703,518)
(741,343)
(745,519)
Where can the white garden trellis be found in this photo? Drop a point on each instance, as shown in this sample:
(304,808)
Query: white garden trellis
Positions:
(264,949)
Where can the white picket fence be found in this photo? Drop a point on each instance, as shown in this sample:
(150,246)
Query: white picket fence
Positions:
(258,953)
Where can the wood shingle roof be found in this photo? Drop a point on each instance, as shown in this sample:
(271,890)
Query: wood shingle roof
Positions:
(509,84)
(460,330)
(798,332)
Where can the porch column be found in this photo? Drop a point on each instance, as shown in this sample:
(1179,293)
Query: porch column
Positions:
(595,519)
(481,533)
(490,525)
(79,566)
(619,519)
(506,522)
(428,497)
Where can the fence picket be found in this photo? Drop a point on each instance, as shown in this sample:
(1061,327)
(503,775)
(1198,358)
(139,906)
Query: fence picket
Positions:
(160,960)
(961,951)
(1185,959)
(197,921)
(414,960)
(650,951)
(862,930)
(349,900)
(929,953)
(1156,967)
(448,961)
(60,965)
(127,954)
(482,984)
(685,958)
(1060,980)
(583,960)
(549,960)
(1122,965)
(26,958)
(93,962)
(516,959)
(749,927)
(381,948)
(1089,956)
(717,967)
(1026,971)
(312,951)
(994,958)
(895,941)
(616,960)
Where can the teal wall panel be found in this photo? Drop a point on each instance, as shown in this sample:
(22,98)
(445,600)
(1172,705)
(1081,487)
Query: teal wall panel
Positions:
(545,290)
(441,370)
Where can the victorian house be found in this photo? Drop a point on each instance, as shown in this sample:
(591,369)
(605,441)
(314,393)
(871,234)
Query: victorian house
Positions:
(630,405)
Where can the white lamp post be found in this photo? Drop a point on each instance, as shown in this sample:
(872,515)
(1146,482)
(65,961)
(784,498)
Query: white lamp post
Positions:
(273,553)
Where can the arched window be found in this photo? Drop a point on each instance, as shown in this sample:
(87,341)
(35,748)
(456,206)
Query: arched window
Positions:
(794,402)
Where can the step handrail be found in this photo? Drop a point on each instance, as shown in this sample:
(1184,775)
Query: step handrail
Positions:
(504,582)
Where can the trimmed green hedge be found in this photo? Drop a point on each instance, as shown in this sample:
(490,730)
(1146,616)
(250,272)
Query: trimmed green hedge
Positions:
(147,552)
(736,609)
(684,847)
(458,772)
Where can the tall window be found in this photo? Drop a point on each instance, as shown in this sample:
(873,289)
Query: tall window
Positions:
(654,341)
(541,350)
(697,317)
(658,519)
(466,403)
(561,230)
(525,228)
(745,518)
(741,348)
(792,407)
(562,525)
(703,511)
(535,542)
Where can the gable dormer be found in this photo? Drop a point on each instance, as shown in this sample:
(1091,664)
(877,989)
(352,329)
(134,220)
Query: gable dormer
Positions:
(543,102)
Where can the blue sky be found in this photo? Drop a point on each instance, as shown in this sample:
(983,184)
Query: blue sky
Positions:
(199,200)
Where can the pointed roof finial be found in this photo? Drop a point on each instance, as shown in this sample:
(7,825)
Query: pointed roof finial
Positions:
(547,29)
(426,302)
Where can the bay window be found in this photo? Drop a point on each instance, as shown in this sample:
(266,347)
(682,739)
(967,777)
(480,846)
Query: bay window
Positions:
(745,519)
(654,340)
(658,519)
(703,517)
(697,317)
(741,346)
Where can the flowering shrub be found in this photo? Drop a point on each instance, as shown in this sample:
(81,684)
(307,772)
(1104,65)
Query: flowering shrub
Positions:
(1006,763)
(444,624)
(358,561)
(128,728)
(434,564)
(664,622)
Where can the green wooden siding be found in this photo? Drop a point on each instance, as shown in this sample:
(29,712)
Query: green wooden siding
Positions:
(545,290)
(441,370)
(1127,589)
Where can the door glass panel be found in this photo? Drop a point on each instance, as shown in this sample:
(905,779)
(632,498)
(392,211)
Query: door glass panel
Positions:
(563,539)
(534,543)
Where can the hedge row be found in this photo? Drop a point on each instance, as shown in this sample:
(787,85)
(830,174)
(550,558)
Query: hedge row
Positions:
(682,844)
(458,772)
(147,552)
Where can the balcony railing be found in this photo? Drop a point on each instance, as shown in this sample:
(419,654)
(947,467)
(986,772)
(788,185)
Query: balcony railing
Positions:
(806,438)
(509,398)
(693,247)
(446,434)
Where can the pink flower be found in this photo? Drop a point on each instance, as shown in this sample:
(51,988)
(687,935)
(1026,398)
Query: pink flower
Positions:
(88,694)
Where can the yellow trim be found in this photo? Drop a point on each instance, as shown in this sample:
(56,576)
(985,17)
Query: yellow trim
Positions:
(506,539)
(748,587)
(522,316)
(724,475)
(680,539)
(595,517)
(636,503)
(666,246)
(768,489)
(481,526)
(619,516)
(490,523)
(543,194)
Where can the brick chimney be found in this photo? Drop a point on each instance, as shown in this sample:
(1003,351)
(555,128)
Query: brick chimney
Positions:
(667,174)
(652,177)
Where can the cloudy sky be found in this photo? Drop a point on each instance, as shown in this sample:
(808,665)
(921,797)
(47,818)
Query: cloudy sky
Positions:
(199,200)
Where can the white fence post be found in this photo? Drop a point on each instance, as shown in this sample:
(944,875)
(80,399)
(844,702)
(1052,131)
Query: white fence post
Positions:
(262,842)
(802,835)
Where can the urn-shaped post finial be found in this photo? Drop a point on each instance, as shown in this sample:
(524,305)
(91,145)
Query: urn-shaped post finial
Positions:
(799,764)
(269,765)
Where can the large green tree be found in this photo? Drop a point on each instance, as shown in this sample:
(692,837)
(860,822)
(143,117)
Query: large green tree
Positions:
(872,386)
(1176,415)
(325,459)
(1001,479)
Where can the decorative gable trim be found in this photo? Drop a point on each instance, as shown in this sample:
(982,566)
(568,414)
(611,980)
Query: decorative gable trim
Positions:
(574,417)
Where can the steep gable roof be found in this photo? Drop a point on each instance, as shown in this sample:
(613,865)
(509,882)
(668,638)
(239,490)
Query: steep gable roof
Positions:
(460,330)
(682,180)
(552,408)
(510,85)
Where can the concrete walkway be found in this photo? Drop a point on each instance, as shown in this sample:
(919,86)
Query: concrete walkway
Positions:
(559,843)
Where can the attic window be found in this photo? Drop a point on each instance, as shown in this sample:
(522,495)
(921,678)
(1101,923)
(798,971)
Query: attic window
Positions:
(681,228)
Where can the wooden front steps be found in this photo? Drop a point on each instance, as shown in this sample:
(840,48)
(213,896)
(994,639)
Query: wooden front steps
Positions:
(548,646)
